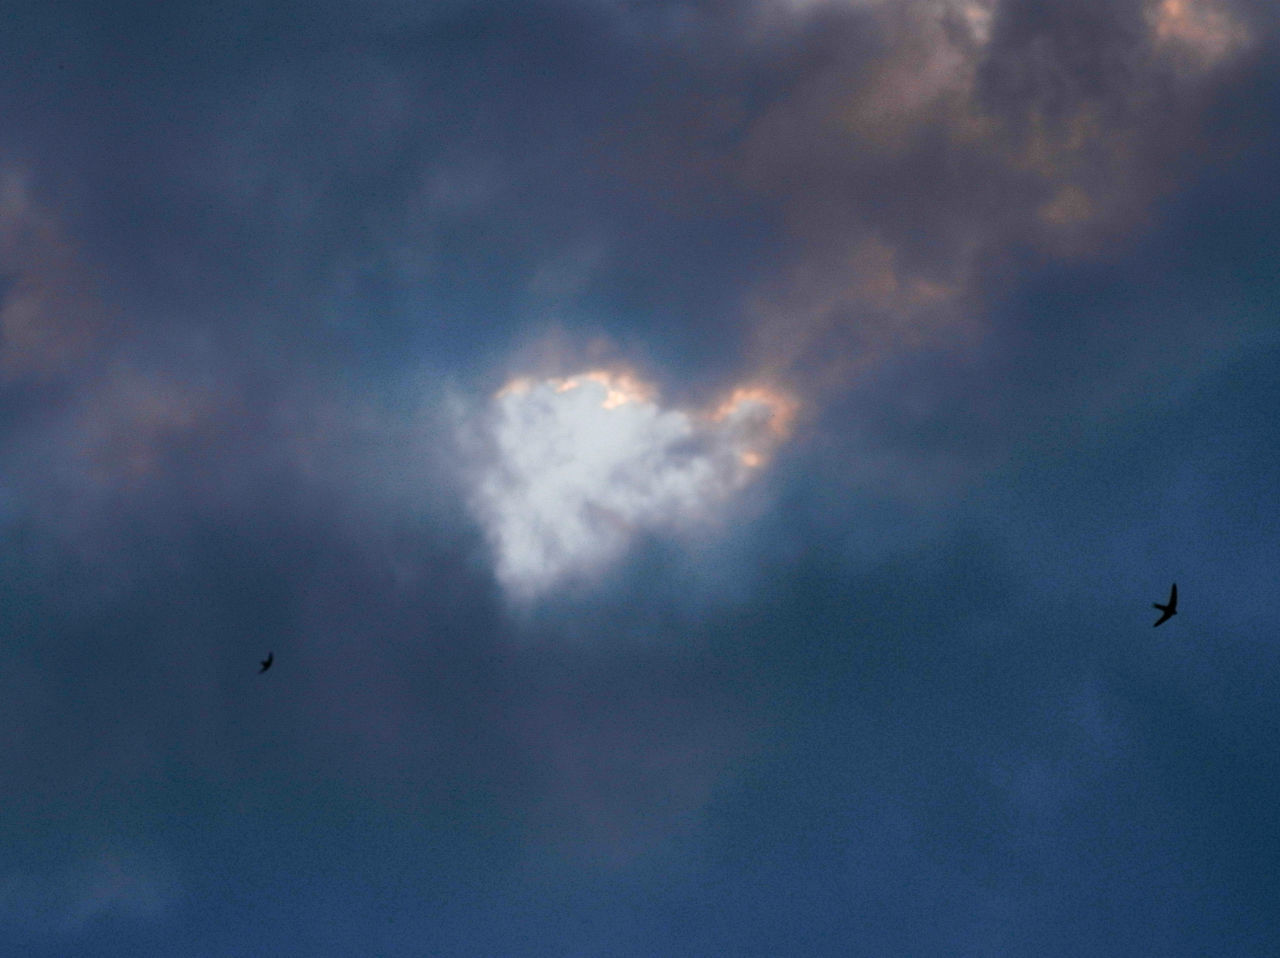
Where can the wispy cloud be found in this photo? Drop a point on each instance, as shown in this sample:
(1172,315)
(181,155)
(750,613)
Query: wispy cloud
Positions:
(66,902)
(47,314)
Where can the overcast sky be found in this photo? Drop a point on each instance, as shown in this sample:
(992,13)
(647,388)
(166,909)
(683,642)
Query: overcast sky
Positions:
(703,471)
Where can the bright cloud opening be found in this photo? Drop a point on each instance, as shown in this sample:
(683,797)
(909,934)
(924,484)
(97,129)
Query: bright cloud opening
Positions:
(581,463)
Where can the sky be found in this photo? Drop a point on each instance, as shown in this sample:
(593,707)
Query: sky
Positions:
(703,471)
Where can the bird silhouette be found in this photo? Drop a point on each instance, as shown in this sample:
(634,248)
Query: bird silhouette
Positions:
(266,663)
(1167,612)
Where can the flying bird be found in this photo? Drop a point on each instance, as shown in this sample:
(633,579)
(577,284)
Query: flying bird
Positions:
(1167,612)
(266,663)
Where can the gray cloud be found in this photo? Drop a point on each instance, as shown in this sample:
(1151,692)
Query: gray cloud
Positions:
(71,902)
(251,256)
(910,166)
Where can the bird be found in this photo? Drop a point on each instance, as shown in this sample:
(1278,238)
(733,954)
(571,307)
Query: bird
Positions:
(1167,612)
(266,663)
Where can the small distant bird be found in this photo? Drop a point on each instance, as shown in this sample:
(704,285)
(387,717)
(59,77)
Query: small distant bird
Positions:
(1167,612)
(266,663)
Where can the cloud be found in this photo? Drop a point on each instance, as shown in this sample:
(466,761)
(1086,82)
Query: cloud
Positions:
(576,466)
(919,148)
(46,314)
(69,900)
(626,763)
(1204,32)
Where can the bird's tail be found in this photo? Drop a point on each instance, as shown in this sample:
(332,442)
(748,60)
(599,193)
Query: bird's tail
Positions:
(1162,608)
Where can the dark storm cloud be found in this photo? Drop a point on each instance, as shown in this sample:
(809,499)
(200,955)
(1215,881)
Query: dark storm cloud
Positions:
(297,169)
(272,197)
(246,254)
(912,172)
(342,182)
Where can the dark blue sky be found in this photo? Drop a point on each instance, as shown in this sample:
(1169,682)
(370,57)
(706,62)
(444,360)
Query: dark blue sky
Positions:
(703,470)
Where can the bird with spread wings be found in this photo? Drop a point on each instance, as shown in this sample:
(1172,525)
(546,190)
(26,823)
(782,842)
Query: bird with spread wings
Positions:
(1167,612)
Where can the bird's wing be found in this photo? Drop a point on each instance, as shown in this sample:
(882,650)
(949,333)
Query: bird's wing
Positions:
(1165,617)
(1173,595)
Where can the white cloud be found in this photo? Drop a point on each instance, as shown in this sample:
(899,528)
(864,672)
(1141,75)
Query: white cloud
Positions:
(578,465)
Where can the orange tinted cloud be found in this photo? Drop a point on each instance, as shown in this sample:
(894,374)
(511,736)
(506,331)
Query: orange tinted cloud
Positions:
(579,464)
(923,142)
(1202,31)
